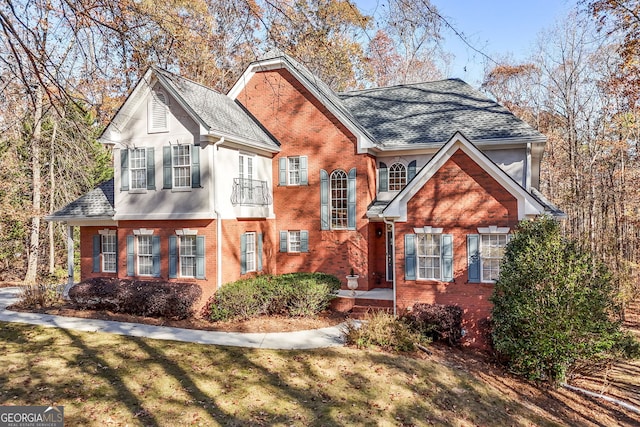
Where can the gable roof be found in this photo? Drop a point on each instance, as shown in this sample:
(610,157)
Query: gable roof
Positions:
(318,88)
(96,204)
(427,113)
(528,205)
(216,113)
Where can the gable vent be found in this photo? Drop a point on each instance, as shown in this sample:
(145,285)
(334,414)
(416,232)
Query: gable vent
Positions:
(159,111)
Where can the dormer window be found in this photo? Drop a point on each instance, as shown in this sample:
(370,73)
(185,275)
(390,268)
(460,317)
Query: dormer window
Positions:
(397,177)
(158,112)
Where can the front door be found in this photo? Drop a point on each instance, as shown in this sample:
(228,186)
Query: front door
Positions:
(389,253)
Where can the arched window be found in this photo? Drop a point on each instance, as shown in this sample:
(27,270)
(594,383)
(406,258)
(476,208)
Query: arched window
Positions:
(397,177)
(339,199)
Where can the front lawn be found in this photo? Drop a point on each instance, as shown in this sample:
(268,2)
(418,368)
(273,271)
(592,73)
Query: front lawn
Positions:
(105,379)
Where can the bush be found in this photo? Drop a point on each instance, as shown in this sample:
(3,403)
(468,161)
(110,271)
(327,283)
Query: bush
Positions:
(295,294)
(141,298)
(40,296)
(554,309)
(437,321)
(383,330)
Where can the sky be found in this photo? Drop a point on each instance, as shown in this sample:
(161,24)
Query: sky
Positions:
(495,27)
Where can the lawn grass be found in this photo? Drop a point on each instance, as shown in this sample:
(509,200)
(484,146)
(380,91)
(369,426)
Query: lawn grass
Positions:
(104,379)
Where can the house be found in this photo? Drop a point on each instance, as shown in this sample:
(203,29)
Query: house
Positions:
(416,187)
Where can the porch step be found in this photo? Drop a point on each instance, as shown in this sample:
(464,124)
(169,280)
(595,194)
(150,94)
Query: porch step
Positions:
(362,311)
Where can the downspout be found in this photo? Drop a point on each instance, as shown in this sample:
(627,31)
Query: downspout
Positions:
(393,260)
(218,217)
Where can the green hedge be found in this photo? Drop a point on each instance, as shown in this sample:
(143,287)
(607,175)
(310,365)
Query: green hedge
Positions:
(295,294)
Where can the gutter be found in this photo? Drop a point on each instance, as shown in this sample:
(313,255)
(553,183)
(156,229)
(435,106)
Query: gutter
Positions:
(393,261)
(218,217)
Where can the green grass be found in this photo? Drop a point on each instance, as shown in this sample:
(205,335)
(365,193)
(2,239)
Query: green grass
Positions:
(104,379)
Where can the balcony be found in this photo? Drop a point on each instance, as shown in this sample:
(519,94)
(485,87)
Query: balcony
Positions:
(250,192)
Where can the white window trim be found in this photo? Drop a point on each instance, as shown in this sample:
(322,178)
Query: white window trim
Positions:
(109,233)
(142,232)
(299,250)
(137,190)
(254,236)
(150,123)
(180,254)
(406,175)
(137,254)
(439,234)
(289,183)
(175,187)
(346,201)
(492,231)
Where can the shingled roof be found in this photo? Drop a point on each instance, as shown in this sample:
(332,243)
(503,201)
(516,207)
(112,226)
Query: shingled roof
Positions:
(96,204)
(430,112)
(217,112)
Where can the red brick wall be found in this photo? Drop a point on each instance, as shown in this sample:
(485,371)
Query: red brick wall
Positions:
(304,127)
(231,232)
(460,197)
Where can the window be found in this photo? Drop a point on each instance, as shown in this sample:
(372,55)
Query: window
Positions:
(294,241)
(429,256)
(145,255)
(293,171)
(397,177)
(105,252)
(338,200)
(138,168)
(181,160)
(187,248)
(158,112)
(250,252)
(492,248)
(109,248)
(245,170)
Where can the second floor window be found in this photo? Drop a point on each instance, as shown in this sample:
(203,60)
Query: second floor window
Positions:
(138,168)
(293,171)
(338,199)
(397,177)
(181,160)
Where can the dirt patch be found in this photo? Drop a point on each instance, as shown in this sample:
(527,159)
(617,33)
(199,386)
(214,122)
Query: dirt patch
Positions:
(260,324)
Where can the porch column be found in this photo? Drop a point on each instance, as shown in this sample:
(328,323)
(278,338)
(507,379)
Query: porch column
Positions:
(70,250)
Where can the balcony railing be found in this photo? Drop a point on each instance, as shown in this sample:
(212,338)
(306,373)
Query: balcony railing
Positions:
(250,192)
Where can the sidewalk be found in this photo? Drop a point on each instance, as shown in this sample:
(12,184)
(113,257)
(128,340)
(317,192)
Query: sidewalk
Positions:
(299,340)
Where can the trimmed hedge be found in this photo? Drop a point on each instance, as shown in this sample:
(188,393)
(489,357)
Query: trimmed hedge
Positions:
(137,297)
(294,294)
(440,322)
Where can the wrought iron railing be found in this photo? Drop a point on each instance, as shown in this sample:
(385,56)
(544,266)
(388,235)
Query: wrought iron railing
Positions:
(250,192)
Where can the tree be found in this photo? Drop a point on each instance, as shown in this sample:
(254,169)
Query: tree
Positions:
(554,308)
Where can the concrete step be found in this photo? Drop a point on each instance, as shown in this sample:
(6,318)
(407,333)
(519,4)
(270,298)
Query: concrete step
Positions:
(362,311)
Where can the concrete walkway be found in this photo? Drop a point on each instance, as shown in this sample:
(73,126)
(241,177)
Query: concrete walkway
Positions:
(316,338)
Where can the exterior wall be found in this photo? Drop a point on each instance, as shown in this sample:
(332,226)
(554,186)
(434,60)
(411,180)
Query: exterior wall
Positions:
(231,232)
(304,127)
(460,197)
(159,203)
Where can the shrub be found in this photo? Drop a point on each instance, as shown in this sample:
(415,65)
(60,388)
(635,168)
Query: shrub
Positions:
(555,309)
(437,321)
(141,298)
(383,330)
(295,294)
(40,296)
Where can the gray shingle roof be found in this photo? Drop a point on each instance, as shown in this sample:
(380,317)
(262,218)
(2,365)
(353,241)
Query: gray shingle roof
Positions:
(97,203)
(549,207)
(216,111)
(431,112)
